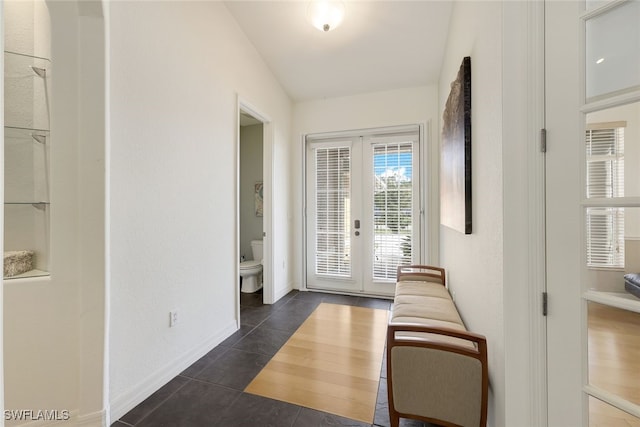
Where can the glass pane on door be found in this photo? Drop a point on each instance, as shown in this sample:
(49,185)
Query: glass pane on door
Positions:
(393,208)
(602,414)
(612,149)
(614,340)
(333,220)
(613,50)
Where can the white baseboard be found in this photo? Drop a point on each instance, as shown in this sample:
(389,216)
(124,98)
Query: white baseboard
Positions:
(282,292)
(64,419)
(122,404)
(67,418)
(95,419)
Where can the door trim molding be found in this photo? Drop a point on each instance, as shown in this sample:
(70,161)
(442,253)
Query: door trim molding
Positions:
(537,225)
(385,131)
(524,274)
(267,227)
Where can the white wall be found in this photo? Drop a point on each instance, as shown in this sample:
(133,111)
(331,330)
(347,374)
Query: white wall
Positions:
(475,262)
(177,70)
(416,105)
(91,220)
(251,149)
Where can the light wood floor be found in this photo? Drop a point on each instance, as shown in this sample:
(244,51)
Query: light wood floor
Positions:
(332,363)
(614,363)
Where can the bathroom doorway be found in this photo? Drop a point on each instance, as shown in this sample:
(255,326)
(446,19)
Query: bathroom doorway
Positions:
(253,206)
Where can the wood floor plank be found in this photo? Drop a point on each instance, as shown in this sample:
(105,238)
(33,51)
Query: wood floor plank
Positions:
(332,363)
(353,367)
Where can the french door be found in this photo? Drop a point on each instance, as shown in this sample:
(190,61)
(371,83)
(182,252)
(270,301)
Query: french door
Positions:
(363,209)
(593,211)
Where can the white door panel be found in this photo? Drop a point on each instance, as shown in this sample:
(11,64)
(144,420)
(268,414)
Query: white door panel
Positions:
(393,207)
(329,212)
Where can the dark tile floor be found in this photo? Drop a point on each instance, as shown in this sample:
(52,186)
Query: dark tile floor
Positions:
(210,392)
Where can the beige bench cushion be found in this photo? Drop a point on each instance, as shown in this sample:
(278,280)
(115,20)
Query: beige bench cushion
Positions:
(424,300)
(426,289)
(432,308)
(429,304)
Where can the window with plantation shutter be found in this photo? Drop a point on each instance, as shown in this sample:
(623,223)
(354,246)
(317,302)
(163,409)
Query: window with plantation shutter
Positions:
(605,179)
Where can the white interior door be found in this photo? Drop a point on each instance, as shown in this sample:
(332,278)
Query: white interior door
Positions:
(363,210)
(593,211)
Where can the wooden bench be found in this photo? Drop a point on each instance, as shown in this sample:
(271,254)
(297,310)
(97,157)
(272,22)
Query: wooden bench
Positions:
(436,369)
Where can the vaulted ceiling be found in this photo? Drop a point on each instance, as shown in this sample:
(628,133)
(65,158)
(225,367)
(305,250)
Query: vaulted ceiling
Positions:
(380,45)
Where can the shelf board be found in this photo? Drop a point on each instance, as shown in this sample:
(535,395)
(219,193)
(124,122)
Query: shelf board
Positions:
(623,300)
(28,203)
(26,55)
(27,86)
(30,273)
(18,128)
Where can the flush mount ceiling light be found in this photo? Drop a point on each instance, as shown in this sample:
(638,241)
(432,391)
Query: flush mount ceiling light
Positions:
(325,15)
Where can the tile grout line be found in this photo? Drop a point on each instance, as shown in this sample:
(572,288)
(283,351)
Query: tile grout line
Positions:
(297,416)
(226,349)
(163,401)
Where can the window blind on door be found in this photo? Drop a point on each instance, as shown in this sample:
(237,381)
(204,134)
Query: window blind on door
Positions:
(605,237)
(393,207)
(605,162)
(605,179)
(333,222)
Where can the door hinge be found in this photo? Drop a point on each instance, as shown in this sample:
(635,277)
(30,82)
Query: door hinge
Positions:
(544,304)
(543,140)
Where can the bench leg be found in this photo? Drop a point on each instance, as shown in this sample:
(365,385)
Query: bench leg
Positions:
(394,420)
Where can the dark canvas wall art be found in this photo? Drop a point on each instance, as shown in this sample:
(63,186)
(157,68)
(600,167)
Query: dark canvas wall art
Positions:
(455,162)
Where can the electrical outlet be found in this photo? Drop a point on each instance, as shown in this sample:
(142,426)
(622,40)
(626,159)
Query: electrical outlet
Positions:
(173,318)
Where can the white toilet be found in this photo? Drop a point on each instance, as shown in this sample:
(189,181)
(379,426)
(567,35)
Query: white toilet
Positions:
(251,271)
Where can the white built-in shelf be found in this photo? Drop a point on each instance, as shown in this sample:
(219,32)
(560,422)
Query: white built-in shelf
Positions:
(27,84)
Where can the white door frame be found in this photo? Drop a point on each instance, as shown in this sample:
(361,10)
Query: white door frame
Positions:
(267,219)
(564,333)
(524,269)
